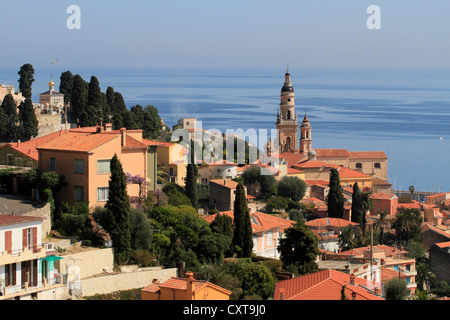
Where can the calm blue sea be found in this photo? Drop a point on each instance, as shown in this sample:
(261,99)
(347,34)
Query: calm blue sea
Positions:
(402,112)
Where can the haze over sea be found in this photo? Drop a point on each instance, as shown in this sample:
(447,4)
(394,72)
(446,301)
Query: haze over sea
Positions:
(404,112)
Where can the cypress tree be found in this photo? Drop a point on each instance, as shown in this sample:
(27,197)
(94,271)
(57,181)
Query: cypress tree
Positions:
(79,99)
(118,210)
(242,238)
(356,204)
(336,199)
(26,79)
(28,121)
(94,110)
(191,179)
(12,119)
(65,85)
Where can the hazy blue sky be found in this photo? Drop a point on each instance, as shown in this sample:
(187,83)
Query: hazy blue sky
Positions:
(244,33)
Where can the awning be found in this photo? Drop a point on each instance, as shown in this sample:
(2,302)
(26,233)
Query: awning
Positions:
(52,258)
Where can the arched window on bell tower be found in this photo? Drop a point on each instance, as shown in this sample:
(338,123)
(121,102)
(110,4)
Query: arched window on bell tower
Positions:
(289,115)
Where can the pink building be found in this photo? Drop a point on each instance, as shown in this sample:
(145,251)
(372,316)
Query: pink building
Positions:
(384,202)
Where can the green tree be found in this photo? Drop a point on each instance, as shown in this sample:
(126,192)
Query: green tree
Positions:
(152,123)
(276,203)
(28,121)
(118,212)
(256,279)
(65,85)
(291,188)
(12,119)
(350,237)
(94,110)
(335,200)
(382,223)
(79,100)
(242,238)
(3,122)
(222,224)
(366,206)
(299,248)
(396,289)
(140,230)
(26,79)
(407,224)
(190,188)
(357,212)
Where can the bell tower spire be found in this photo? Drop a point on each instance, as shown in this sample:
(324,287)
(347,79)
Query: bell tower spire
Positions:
(287,124)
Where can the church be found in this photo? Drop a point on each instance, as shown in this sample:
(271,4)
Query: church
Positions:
(368,168)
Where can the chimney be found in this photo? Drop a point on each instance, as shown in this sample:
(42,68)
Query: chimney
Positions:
(225,182)
(190,286)
(123,132)
(155,281)
(281,293)
(352,279)
(18,142)
(354,296)
(377,291)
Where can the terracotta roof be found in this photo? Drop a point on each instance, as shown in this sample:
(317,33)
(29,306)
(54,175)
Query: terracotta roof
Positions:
(425,226)
(332,153)
(227,183)
(133,143)
(28,148)
(181,284)
(294,171)
(310,164)
(158,143)
(411,205)
(76,141)
(367,155)
(443,244)
(389,251)
(323,285)
(292,158)
(349,173)
(9,220)
(330,222)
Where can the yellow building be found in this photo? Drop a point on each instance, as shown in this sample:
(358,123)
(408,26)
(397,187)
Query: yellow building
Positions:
(184,289)
(84,158)
(171,158)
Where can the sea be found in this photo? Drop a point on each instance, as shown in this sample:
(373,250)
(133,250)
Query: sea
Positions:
(403,112)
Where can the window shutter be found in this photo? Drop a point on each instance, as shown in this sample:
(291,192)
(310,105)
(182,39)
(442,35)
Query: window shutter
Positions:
(14,266)
(35,272)
(8,241)
(35,242)
(24,238)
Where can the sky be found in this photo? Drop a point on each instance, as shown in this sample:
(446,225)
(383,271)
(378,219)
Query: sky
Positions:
(210,33)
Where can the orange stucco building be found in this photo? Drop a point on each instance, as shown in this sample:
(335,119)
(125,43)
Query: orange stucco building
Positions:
(83,156)
(184,289)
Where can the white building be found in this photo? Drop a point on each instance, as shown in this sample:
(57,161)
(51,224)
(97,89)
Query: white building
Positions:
(26,271)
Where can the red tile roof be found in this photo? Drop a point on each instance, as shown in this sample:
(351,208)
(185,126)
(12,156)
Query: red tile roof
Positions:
(28,148)
(383,196)
(176,283)
(323,285)
(292,158)
(443,244)
(77,141)
(225,183)
(9,220)
(331,153)
(330,222)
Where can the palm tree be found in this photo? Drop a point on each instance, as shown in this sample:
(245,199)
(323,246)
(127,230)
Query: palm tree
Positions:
(411,190)
(366,205)
(407,223)
(349,238)
(382,223)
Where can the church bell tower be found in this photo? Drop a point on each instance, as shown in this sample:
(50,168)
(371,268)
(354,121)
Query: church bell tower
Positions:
(287,124)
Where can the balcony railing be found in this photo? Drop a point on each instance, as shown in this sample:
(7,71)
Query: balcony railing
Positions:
(11,292)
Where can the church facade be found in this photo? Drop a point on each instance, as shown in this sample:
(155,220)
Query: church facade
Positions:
(297,150)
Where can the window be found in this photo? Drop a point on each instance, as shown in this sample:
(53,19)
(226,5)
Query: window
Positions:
(79,166)
(102,193)
(269,238)
(103,166)
(359,165)
(9,159)
(78,193)
(52,164)
(377,165)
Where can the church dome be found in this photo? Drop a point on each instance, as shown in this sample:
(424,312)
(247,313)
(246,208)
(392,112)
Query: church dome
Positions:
(312,153)
(51,83)
(287,88)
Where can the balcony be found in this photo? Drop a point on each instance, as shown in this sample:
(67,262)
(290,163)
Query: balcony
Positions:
(12,292)
(24,254)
